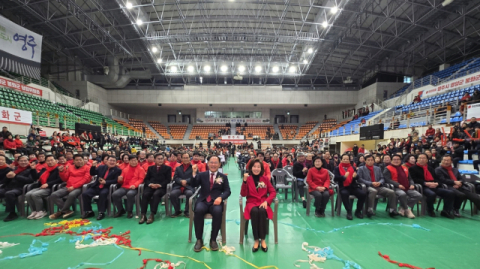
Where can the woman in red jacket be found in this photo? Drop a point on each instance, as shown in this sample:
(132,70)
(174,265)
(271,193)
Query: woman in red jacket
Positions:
(318,180)
(9,144)
(260,194)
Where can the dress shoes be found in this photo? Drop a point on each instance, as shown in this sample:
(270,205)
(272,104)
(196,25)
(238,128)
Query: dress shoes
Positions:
(143,219)
(129,215)
(198,245)
(88,214)
(213,245)
(100,216)
(447,214)
(358,214)
(151,218)
(119,213)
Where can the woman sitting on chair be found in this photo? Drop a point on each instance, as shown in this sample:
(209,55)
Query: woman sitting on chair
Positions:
(318,180)
(260,194)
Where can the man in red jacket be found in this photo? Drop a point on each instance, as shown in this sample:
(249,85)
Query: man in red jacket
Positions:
(132,176)
(75,176)
(197,161)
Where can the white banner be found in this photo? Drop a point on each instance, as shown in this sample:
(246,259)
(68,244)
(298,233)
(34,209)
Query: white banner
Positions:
(434,90)
(233,137)
(232,121)
(15,116)
(473,110)
(20,49)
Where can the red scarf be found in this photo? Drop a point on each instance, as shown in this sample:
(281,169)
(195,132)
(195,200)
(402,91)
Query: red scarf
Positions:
(3,166)
(408,164)
(372,174)
(349,179)
(426,174)
(185,167)
(450,172)
(46,174)
(275,164)
(21,169)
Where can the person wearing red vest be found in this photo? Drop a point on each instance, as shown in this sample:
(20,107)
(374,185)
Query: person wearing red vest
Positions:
(346,177)
(424,175)
(172,162)
(408,197)
(150,162)
(75,176)
(372,177)
(318,180)
(124,162)
(47,176)
(452,178)
(41,162)
(196,160)
(131,178)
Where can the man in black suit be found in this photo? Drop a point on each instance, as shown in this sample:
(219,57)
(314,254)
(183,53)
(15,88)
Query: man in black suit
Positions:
(327,163)
(155,187)
(183,179)
(106,175)
(214,190)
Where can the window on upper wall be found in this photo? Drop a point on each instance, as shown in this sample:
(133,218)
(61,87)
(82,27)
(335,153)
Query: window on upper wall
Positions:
(407,79)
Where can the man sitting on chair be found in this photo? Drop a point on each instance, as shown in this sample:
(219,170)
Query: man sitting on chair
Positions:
(214,190)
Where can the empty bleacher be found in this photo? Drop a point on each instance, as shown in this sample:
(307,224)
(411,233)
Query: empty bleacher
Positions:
(203,131)
(255,130)
(326,125)
(353,126)
(288,131)
(140,125)
(178,131)
(160,128)
(305,129)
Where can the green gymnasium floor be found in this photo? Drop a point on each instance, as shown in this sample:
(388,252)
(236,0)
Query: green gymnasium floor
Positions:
(447,244)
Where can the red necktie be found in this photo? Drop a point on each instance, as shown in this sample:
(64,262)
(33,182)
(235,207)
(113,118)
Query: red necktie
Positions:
(211,185)
(104,177)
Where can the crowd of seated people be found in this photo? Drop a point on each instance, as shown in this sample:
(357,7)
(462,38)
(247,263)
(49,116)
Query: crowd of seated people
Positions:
(402,170)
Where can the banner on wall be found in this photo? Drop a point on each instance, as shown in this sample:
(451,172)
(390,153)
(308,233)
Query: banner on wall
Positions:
(232,121)
(434,90)
(15,116)
(20,49)
(234,137)
(19,86)
(473,110)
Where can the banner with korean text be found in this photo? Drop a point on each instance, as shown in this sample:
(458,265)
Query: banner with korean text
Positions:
(20,49)
(15,116)
(434,90)
(231,120)
(19,86)
(473,110)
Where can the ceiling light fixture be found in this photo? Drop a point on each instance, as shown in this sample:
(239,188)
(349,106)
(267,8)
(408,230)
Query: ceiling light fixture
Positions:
(139,22)
(173,69)
(159,60)
(241,68)
(258,69)
(334,10)
(224,68)
(292,69)
(275,69)
(325,24)
(129,5)
(310,51)
(191,69)
(154,49)
(305,61)
(207,68)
